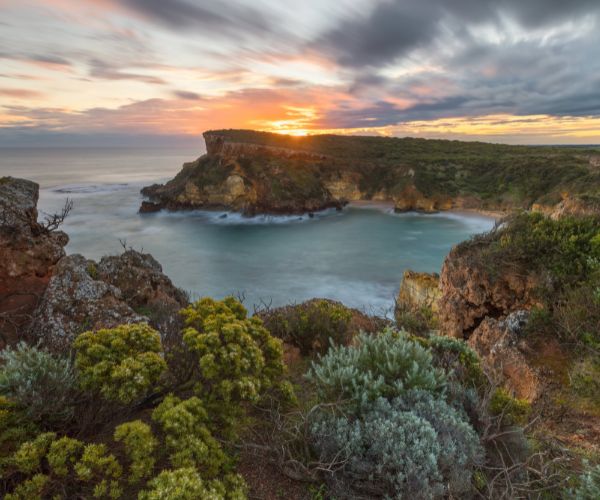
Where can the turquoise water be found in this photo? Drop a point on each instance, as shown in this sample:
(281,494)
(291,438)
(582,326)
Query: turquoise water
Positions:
(357,255)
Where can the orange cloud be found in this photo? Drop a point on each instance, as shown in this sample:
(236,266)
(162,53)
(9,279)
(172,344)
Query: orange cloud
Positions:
(20,93)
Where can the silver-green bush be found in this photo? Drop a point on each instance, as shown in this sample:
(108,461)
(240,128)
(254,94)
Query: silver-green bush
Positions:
(383,365)
(388,427)
(40,383)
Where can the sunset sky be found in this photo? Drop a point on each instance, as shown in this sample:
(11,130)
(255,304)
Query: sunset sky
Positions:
(159,72)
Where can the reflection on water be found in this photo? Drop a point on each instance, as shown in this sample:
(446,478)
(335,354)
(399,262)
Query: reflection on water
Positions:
(356,256)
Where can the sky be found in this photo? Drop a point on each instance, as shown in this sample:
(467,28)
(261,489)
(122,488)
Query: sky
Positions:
(160,72)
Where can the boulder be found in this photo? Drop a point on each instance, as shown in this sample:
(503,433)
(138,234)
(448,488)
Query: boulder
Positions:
(76,301)
(141,280)
(84,295)
(28,255)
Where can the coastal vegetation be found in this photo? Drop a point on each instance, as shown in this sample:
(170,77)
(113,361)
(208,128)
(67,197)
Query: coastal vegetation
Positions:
(119,387)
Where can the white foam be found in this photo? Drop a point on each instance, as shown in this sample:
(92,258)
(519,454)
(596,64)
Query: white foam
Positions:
(236,218)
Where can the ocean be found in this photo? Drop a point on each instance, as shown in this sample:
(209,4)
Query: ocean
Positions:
(357,255)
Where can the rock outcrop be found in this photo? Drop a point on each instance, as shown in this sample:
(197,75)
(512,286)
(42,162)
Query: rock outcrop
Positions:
(419,291)
(76,301)
(221,145)
(569,206)
(257,172)
(141,280)
(283,174)
(412,200)
(250,181)
(28,254)
(85,295)
(470,292)
(489,309)
(505,353)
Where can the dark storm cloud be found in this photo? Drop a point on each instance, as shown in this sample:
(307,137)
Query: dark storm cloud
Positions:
(547,72)
(394,28)
(208,15)
(390,30)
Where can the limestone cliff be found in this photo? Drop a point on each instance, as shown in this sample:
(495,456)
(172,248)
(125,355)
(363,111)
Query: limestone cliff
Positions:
(418,291)
(257,172)
(488,308)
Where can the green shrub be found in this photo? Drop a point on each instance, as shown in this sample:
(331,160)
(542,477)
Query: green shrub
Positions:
(585,379)
(139,444)
(415,446)
(28,457)
(121,363)
(311,326)
(416,321)
(456,358)
(187,437)
(237,359)
(32,489)
(385,365)
(565,247)
(40,384)
(187,484)
(513,411)
(389,419)
(63,455)
(15,429)
(102,469)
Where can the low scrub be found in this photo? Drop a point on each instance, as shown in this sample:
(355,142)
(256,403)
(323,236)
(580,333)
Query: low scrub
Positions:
(313,325)
(179,443)
(388,425)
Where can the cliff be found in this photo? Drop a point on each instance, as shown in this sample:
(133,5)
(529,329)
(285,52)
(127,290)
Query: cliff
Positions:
(419,291)
(257,172)
(523,297)
(29,253)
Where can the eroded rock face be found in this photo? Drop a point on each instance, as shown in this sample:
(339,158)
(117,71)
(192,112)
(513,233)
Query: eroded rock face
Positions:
(249,180)
(28,254)
(503,349)
(470,293)
(489,309)
(75,301)
(412,200)
(419,290)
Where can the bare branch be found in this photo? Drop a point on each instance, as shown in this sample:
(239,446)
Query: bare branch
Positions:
(53,221)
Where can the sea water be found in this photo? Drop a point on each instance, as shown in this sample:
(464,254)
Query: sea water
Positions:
(356,255)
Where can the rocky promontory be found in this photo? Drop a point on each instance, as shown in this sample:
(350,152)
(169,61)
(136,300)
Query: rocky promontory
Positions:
(50,297)
(258,172)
